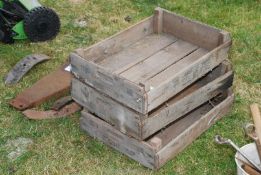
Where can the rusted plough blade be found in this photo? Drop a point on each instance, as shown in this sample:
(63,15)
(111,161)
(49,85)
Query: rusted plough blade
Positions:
(51,114)
(55,84)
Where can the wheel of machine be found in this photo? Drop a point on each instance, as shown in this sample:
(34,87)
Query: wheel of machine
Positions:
(41,24)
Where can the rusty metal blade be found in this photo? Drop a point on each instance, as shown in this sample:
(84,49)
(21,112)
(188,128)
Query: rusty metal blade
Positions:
(52,114)
(55,84)
(23,66)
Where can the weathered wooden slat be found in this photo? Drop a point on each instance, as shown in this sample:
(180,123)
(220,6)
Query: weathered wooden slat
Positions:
(196,125)
(137,52)
(180,75)
(190,30)
(101,130)
(117,42)
(109,83)
(159,61)
(163,146)
(142,126)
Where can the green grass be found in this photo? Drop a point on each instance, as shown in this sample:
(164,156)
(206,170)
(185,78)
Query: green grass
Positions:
(60,147)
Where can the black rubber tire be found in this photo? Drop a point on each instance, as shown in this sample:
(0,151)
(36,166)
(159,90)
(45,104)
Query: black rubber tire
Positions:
(41,24)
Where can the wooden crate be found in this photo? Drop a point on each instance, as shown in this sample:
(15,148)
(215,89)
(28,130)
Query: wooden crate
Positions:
(146,64)
(142,126)
(163,146)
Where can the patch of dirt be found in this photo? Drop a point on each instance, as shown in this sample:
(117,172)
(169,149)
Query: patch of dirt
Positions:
(17,147)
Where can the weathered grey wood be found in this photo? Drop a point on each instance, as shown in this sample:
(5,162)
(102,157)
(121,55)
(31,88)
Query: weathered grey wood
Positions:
(117,42)
(141,126)
(159,61)
(141,152)
(180,75)
(173,139)
(109,83)
(126,120)
(158,20)
(137,52)
(185,136)
(190,30)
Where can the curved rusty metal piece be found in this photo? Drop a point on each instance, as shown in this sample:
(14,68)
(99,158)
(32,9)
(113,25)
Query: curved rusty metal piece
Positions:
(52,114)
(23,66)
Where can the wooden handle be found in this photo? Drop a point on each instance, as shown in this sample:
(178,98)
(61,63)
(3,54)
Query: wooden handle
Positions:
(257,119)
(249,170)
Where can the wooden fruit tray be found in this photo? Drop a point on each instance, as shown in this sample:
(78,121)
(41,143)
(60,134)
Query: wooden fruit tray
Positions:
(150,62)
(164,145)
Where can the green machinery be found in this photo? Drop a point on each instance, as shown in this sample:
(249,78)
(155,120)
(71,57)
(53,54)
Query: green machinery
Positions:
(27,19)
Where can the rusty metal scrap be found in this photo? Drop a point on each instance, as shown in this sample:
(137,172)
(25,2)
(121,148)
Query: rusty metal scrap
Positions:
(55,84)
(23,66)
(52,114)
(61,103)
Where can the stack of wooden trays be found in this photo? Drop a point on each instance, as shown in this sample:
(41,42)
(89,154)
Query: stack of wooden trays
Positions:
(152,89)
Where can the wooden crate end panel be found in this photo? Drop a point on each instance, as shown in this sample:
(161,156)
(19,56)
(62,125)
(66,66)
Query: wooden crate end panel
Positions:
(224,37)
(122,118)
(193,31)
(194,131)
(108,83)
(136,150)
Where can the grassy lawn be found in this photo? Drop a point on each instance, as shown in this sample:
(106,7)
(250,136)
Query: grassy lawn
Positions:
(60,147)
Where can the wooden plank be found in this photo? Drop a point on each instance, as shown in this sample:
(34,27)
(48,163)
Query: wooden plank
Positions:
(158,20)
(191,31)
(109,83)
(180,105)
(183,133)
(159,61)
(180,75)
(117,42)
(137,52)
(174,138)
(126,120)
(95,127)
